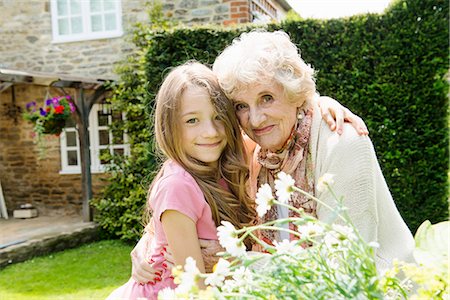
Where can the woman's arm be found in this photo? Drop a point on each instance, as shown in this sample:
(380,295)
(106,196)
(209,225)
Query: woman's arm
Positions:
(182,237)
(142,271)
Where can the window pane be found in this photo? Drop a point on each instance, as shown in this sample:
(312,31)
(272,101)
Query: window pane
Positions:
(117,137)
(110,22)
(62,8)
(104,152)
(77,25)
(63,26)
(72,159)
(103,137)
(96,6)
(109,5)
(96,23)
(119,152)
(75,7)
(71,138)
(102,119)
(116,116)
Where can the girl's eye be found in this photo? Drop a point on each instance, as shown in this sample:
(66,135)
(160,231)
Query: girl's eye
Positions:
(239,106)
(267,98)
(217,118)
(192,121)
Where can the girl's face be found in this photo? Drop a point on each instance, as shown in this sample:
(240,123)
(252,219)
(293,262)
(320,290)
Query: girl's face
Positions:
(265,114)
(202,133)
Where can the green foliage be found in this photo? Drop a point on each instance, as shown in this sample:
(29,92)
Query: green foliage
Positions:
(88,272)
(390,69)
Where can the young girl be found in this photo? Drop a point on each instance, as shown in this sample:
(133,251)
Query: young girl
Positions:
(202,181)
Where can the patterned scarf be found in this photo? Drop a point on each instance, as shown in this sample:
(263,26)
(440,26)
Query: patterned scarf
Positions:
(293,159)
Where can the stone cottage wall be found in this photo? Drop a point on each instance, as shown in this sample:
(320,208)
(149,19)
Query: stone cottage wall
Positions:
(26,41)
(27,179)
(224,12)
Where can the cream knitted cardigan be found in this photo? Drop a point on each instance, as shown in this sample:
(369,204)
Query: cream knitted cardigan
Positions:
(357,177)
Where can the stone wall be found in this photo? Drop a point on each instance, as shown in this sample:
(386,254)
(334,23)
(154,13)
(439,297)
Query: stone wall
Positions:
(224,12)
(24,177)
(26,41)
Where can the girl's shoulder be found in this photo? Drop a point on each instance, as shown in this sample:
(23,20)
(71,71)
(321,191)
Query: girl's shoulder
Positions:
(176,180)
(174,173)
(177,190)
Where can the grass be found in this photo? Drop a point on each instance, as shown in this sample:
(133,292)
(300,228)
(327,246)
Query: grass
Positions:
(89,272)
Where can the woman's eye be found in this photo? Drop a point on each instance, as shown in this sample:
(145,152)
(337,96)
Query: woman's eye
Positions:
(267,98)
(217,118)
(239,106)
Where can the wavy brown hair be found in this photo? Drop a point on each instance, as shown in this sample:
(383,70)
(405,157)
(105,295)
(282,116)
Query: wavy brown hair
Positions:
(235,205)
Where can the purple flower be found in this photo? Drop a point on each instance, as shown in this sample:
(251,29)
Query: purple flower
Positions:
(68,97)
(42,112)
(72,107)
(55,101)
(48,102)
(31,106)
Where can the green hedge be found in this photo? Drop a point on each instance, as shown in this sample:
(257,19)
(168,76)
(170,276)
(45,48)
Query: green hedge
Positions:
(390,69)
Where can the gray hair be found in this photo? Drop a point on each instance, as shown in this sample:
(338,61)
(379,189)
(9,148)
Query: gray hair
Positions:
(265,56)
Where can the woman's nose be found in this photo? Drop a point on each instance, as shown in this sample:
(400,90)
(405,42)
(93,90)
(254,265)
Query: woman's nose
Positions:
(256,117)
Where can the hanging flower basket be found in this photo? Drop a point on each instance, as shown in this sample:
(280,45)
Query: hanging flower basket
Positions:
(49,119)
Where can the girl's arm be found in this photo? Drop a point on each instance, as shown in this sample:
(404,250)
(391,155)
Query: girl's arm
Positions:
(335,114)
(182,237)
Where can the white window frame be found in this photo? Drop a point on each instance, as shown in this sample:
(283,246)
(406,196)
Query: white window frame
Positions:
(87,33)
(95,147)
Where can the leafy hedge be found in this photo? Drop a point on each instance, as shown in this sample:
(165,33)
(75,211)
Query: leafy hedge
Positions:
(390,69)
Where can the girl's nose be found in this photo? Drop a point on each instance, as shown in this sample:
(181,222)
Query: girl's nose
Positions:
(210,130)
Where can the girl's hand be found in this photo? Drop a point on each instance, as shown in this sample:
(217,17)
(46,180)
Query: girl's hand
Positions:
(336,114)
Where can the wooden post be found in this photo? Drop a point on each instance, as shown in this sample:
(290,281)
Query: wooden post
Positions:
(84,105)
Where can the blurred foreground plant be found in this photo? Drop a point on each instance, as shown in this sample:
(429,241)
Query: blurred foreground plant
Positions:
(321,261)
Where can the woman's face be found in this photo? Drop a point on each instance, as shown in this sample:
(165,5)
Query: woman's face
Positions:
(265,114)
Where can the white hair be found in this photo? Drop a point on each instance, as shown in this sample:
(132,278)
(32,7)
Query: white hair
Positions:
(261,56)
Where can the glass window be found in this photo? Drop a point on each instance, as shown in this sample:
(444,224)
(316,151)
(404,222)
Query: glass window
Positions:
(76,20)
(103,140)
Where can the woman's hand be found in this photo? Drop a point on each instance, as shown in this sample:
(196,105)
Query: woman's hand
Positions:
(209,250)
(142,270)
(336,114)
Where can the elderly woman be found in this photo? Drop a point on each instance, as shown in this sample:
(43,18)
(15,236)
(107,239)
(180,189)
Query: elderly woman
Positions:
(274,96)
(276,103)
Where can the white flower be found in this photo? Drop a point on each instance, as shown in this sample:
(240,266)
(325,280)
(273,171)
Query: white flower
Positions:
(288,247)
(188,278)
(374,244)
(345,232)
(229,240)
(310,229)
(264,199)
(167,294)
(339,234)
(324,181)
(240,280)
(221,270)
(284,187)
(331,239)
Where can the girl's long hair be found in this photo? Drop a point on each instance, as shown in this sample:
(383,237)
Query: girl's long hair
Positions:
(235,205)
